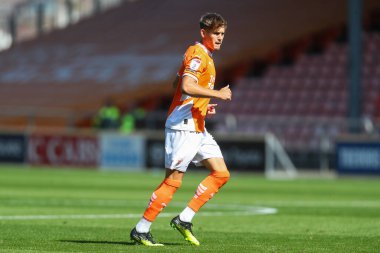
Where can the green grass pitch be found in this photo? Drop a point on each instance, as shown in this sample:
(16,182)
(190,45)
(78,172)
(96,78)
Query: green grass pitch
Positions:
(59,210)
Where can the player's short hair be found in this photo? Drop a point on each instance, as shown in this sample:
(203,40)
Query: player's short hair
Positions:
(212,21)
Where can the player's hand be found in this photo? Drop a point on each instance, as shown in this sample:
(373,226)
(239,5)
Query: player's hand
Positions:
(225,93)
(211,109)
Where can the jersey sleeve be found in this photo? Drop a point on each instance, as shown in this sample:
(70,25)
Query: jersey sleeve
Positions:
(194,63)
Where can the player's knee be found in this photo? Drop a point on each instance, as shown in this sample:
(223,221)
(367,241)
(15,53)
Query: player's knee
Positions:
(173,182)
(221,176)
(226,177)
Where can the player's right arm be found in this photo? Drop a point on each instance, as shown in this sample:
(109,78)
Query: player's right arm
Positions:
(189,86)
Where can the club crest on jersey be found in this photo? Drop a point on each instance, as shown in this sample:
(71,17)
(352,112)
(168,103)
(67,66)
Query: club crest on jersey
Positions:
(195,63)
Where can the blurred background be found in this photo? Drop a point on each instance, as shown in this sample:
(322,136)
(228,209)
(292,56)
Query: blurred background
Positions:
(89,82)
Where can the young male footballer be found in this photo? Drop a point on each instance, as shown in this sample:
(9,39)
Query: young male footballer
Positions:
(186,138)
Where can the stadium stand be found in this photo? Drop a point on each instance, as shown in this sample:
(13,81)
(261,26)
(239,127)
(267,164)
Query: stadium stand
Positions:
(288,77)
(304,102)
(132,52)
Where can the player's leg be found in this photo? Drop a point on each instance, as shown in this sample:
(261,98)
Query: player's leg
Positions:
(209,186)
(163,194)
(211,157)
(180,149)
(159,200)
(206,190)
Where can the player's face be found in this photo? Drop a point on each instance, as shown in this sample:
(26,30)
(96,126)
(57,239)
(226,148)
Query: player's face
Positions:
(213,39)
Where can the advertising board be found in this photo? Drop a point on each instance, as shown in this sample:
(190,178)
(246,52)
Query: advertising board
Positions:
(62,150)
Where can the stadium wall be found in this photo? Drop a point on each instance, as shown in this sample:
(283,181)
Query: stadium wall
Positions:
(12,148)
(356,155)
(145,150)
(115,151)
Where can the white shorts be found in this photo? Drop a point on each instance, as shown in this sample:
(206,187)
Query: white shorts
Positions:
(183,147)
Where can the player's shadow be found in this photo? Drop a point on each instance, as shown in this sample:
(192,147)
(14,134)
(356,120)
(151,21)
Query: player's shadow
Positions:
(110,242)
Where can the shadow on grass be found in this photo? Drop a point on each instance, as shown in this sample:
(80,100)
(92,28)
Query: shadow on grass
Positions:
(110,242)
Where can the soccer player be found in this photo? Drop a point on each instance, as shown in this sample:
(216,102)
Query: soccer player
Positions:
(186,138)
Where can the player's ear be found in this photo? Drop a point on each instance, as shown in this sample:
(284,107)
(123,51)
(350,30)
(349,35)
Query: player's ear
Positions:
(203,33)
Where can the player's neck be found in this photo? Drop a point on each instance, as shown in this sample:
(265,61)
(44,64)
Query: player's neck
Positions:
(208,50)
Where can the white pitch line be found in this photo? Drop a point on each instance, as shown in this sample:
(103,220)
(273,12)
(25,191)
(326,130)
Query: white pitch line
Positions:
(253,211)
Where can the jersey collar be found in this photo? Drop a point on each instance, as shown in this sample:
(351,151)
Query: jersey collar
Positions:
(204,48)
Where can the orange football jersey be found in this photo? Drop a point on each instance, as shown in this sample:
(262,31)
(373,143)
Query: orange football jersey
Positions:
(186,112)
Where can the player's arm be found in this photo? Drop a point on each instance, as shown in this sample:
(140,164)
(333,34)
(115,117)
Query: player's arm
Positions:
(190,87)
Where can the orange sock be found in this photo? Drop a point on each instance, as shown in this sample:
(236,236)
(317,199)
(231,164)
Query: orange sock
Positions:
(208,188)
(161,198)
